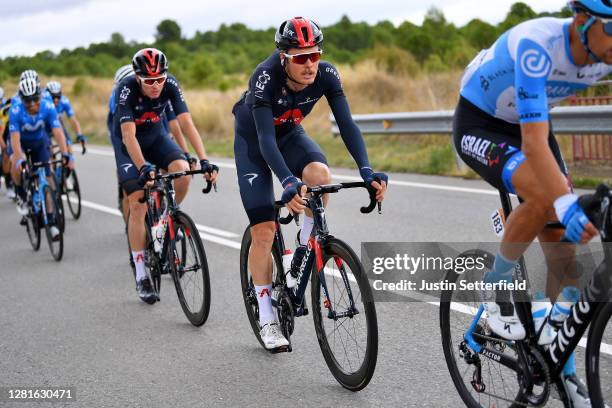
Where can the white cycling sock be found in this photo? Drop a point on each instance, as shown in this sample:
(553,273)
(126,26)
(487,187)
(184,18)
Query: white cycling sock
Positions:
(266,314)
(138,257)
(307,224)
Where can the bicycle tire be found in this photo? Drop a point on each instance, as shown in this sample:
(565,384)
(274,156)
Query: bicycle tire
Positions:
(61,220)
(357,378)
(246,281)
(178,267)
(596,332)
(448,347)
(73,193)
(55,247)
(33,229)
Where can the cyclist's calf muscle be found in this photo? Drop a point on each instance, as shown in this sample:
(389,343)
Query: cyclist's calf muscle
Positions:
(136,227)
(260,261)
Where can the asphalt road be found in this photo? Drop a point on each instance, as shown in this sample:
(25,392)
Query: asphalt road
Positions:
(79,323)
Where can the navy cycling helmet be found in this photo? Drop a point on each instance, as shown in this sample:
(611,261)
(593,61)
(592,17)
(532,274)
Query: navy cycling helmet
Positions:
(298,32)
(597,8)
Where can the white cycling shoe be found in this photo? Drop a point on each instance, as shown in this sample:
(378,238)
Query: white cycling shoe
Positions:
(272,337)
(502,317)
(22,207)
(10,193)
(577,392)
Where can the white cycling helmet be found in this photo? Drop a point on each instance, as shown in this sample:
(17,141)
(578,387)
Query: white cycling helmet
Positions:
(123,72)
(54,88)
(28,88)
(30,73)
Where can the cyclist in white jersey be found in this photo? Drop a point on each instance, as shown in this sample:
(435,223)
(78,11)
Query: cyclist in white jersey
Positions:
(502,130)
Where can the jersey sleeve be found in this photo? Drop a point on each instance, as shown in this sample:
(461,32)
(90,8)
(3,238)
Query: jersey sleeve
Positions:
(177,98)
(266,135)
(67,107)
(125,101)
(332,85)
(51,115)
(14,119)
(532,67)
(261,88)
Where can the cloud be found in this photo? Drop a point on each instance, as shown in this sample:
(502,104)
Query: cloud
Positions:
(59,24)
(12,8)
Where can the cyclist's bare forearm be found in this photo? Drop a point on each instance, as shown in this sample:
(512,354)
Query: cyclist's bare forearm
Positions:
(76,126)
(541,162)
(16,144)
(59,136)
(128,133)
(192,134)
(179,138)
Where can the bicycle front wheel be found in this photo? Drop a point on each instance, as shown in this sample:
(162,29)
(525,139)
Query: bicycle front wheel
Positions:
(73,192)
(56,245)
(599,358)
(33,229)
(189,269)
(345,322)
(479,380)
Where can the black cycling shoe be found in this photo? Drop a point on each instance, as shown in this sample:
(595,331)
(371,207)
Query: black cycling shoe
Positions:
(145,291)
(23,221)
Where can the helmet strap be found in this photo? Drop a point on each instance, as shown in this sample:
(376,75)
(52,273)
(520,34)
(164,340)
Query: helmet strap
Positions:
(582,33)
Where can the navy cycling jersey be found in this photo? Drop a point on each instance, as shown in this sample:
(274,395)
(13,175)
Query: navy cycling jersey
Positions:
(146,113)
(272,110)
(112,106)
(32,128)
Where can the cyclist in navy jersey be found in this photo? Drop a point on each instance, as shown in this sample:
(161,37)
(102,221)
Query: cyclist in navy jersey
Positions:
(141,144)
(268,135)
(502,130)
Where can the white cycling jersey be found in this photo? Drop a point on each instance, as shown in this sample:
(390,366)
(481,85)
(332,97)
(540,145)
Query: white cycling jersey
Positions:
(526,71)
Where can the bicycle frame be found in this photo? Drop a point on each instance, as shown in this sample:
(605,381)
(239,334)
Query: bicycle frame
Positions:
(39,178)
(314,254)
(581,313)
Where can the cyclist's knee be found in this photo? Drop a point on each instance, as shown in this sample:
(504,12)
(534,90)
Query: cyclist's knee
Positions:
(137,209)
(178,165)
(316,173)
(263,234)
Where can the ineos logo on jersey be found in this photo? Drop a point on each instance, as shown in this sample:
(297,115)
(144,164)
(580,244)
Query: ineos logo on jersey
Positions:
(535,64)
(260,84)
(125,92)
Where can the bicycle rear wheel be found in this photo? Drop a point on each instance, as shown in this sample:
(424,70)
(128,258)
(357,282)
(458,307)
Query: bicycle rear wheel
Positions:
(189,269)
(346,325)
(249,295)
(73,192)
(457,312)
(56,246)
(599,358)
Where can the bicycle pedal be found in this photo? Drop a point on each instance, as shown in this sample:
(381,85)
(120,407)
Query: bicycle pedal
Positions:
(283,349)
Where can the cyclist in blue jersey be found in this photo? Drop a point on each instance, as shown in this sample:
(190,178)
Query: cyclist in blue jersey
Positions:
(268,135)
(63,106)
(27,123)
(502,131)
(141,144)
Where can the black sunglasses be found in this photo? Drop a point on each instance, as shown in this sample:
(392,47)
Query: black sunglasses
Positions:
(31,99)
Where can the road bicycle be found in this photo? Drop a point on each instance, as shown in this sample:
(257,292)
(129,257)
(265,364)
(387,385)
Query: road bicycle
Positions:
(343,308)
(490,371)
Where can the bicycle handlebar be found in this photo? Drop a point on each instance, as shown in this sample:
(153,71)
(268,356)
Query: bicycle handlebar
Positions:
(172,176)
(334,188)
(596,208)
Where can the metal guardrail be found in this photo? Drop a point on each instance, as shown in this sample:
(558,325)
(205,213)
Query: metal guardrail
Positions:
(565,119)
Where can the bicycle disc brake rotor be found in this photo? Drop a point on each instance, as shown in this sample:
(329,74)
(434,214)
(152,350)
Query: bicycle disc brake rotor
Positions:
(286,316)
(539,375)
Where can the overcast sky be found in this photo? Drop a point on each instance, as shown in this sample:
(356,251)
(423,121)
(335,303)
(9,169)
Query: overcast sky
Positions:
(30,26)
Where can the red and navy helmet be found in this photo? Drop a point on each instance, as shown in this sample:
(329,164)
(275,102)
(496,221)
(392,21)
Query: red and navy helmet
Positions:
(298,32)
(150,62)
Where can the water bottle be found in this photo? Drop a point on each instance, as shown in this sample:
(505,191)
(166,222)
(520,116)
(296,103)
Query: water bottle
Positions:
(558,314)
(540,308)
(287,257)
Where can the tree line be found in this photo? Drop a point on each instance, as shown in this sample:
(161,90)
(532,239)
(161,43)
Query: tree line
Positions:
(221,58)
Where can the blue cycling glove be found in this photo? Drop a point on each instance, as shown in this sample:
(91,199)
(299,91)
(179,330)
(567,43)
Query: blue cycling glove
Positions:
(368,175)
(572,216)
(67,158)
(292,187)
(143,173)
(81,138)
